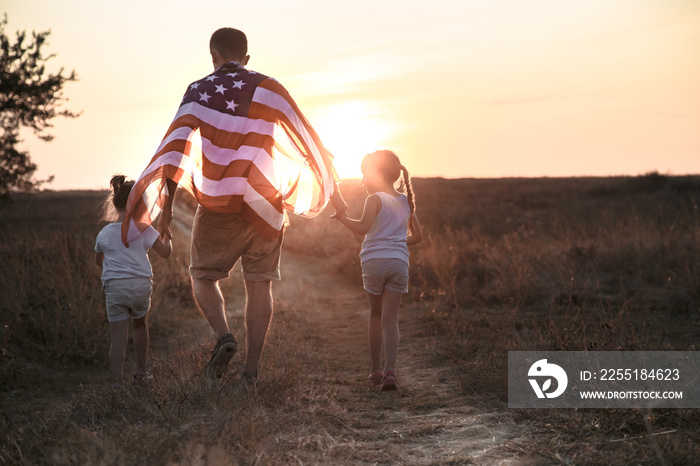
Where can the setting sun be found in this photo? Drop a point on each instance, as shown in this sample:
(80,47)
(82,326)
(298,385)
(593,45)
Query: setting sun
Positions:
(351,130)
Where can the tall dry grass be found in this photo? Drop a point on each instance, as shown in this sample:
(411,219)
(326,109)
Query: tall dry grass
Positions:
(513,264)
(573,265)
(57,406)
(553,264)
(52,306)
(50,288)
(598,264)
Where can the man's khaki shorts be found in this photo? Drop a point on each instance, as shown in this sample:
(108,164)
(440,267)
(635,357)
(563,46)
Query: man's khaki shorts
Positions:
(219,240)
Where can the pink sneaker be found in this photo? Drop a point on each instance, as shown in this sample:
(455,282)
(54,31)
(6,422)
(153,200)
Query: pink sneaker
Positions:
(389,381)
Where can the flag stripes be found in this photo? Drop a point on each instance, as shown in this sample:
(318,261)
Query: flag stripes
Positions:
(238,143)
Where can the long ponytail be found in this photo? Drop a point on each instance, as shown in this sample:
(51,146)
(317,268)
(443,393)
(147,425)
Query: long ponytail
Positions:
(409,189)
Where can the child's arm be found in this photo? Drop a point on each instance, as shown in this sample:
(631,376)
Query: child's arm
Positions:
(415,231)
(99,258)
(372,206)
(163,245)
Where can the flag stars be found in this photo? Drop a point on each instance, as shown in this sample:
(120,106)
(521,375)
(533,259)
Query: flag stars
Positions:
(211,78)
(233,75)
(238,84)
(194,86)
(231,105)
(204,96)
(220,88)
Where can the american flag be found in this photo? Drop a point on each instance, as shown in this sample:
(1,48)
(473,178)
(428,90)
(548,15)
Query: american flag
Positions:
(238,143)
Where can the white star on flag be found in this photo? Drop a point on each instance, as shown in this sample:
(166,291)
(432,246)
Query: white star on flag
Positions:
(238,84)
(220,88)
(231,105)
(233,75)
(211,78)
(205,97)
(194,85)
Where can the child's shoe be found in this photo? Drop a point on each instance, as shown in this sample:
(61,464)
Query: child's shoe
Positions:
(375,378)
(141,379)
(389,381)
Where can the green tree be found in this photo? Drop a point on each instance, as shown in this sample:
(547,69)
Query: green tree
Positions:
(29,97)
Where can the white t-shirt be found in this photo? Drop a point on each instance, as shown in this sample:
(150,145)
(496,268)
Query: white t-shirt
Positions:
(386,239)
(123,262)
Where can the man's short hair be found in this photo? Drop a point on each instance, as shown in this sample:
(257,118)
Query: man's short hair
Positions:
(230,43)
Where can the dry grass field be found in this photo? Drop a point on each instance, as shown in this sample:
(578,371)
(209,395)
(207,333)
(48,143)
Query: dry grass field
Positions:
(506,265)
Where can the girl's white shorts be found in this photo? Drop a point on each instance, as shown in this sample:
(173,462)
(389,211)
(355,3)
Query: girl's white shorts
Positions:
(127,298)
(378,274)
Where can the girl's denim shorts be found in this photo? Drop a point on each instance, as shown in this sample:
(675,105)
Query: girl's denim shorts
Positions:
(378,274)
(127,298)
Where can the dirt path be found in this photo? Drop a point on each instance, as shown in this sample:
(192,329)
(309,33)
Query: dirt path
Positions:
(428,421)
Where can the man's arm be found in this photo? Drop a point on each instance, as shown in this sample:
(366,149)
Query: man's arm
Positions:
(339,204)
(166,217)
(163,246)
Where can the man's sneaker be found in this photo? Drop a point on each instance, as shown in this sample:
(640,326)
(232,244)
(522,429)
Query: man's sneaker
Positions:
(223,352)
(250,378)
(249,382)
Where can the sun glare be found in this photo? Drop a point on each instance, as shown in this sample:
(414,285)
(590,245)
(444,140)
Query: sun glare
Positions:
(350,130)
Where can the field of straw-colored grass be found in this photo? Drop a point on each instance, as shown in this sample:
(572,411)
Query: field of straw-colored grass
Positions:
(511,264)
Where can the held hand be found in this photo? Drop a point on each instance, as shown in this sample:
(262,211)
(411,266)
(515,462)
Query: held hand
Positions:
(340,210)
(337,214)
(166,236)
(339,204)
(166,216)
(165,221)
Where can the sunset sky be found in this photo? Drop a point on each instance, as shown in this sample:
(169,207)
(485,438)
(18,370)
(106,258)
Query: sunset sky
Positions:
(456,88)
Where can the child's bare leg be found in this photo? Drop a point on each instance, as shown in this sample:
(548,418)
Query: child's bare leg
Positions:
(375,332)
(390,326)
(117,348)
(141,343)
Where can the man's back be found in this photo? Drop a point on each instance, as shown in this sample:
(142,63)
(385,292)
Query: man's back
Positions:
(240,144)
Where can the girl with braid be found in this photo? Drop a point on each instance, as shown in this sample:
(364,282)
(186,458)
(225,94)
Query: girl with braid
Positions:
(390,225)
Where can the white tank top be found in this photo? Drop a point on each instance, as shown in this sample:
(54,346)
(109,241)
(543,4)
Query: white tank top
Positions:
(386,239)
